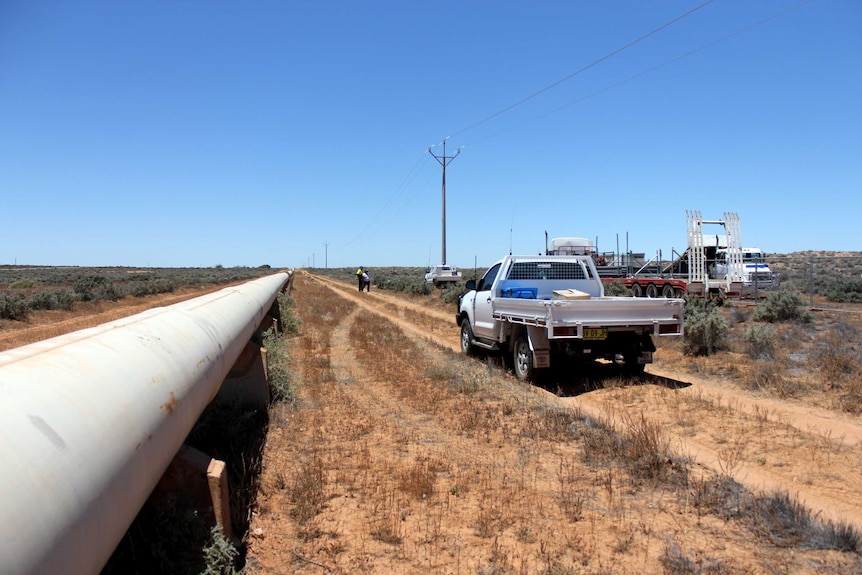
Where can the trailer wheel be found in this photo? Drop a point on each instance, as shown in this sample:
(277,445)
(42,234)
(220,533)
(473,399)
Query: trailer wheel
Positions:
(522,360)
(651,290)
(467,338)
(637,290)
(667,291)
(679,292)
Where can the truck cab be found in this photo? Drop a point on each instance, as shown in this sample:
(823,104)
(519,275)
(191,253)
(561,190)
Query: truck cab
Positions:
(756,275)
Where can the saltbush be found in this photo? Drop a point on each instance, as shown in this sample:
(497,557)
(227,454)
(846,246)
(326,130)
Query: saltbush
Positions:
(760,341)
(96,288)
(617,288)
(844,290)
(151,286)
(705,330)
(24,283)
(13,307)
(48,299)
(782,306)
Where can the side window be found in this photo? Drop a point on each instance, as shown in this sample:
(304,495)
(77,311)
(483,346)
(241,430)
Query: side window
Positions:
(488,278)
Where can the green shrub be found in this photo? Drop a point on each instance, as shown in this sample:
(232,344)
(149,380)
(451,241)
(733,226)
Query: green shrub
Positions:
(845,290)
(151,286)
(13,307)
(452,292)
(278,368)
(96,288)
(219,555)
(782,306)
(24,283)
(617,288)
(760,341)
(62,298)
(289,321)
(705,330)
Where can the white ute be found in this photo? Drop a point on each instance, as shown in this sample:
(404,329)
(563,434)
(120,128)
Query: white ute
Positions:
(537,308)
(442,274)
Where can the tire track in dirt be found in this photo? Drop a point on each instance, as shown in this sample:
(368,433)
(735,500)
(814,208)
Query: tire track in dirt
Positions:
(806,418)
(378,302)
(840,503)
(837,503)
(374,400)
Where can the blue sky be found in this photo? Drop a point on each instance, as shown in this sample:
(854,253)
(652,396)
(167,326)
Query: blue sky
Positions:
(296,133)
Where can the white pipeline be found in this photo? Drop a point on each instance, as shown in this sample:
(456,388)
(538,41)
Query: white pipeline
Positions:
(89,421)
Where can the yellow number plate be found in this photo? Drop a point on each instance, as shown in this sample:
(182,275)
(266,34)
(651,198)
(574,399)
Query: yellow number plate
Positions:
(595,333)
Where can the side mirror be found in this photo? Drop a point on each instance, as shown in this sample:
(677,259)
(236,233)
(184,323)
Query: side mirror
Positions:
(470,285)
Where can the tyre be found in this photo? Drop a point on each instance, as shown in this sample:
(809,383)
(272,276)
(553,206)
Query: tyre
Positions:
(651,290)
(467,338)
(631,365)
(637,290)
(667,291)
(679,292)
(522,360)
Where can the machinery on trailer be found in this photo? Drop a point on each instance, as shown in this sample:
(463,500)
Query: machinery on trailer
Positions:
(713,265)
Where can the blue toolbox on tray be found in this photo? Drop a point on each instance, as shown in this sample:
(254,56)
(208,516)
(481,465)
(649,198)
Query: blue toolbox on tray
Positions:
(520,292)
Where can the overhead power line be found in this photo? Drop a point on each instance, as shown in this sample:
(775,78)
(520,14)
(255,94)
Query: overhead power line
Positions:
(583,69)
(647,71)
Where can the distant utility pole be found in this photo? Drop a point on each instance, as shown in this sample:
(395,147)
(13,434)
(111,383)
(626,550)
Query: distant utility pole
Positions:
(326,257)
(444,161)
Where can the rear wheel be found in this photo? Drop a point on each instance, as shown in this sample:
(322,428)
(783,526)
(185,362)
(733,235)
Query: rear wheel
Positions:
(667,291)
(522,359)
(651,290)
(466,338)
(631,365)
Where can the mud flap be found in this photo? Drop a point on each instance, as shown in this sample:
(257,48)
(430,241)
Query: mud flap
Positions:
(538,339)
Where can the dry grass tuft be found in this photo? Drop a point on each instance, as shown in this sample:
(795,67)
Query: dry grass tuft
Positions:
(307,490)
(418,480)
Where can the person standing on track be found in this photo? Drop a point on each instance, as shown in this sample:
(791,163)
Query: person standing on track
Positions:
(359,273)
(366,281)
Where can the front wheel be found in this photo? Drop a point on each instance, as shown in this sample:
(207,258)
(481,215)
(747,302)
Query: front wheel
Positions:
(466,338)
(637,290)
(522,359)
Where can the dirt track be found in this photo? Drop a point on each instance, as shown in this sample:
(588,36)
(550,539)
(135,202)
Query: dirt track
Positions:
(816,454)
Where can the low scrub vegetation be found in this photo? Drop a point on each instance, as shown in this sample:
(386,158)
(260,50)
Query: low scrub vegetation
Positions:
(832,275)
(706,331)
(782,306)
(27,289)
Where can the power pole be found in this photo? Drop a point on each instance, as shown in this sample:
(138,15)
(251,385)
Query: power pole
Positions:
(444,161)
(326,257)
